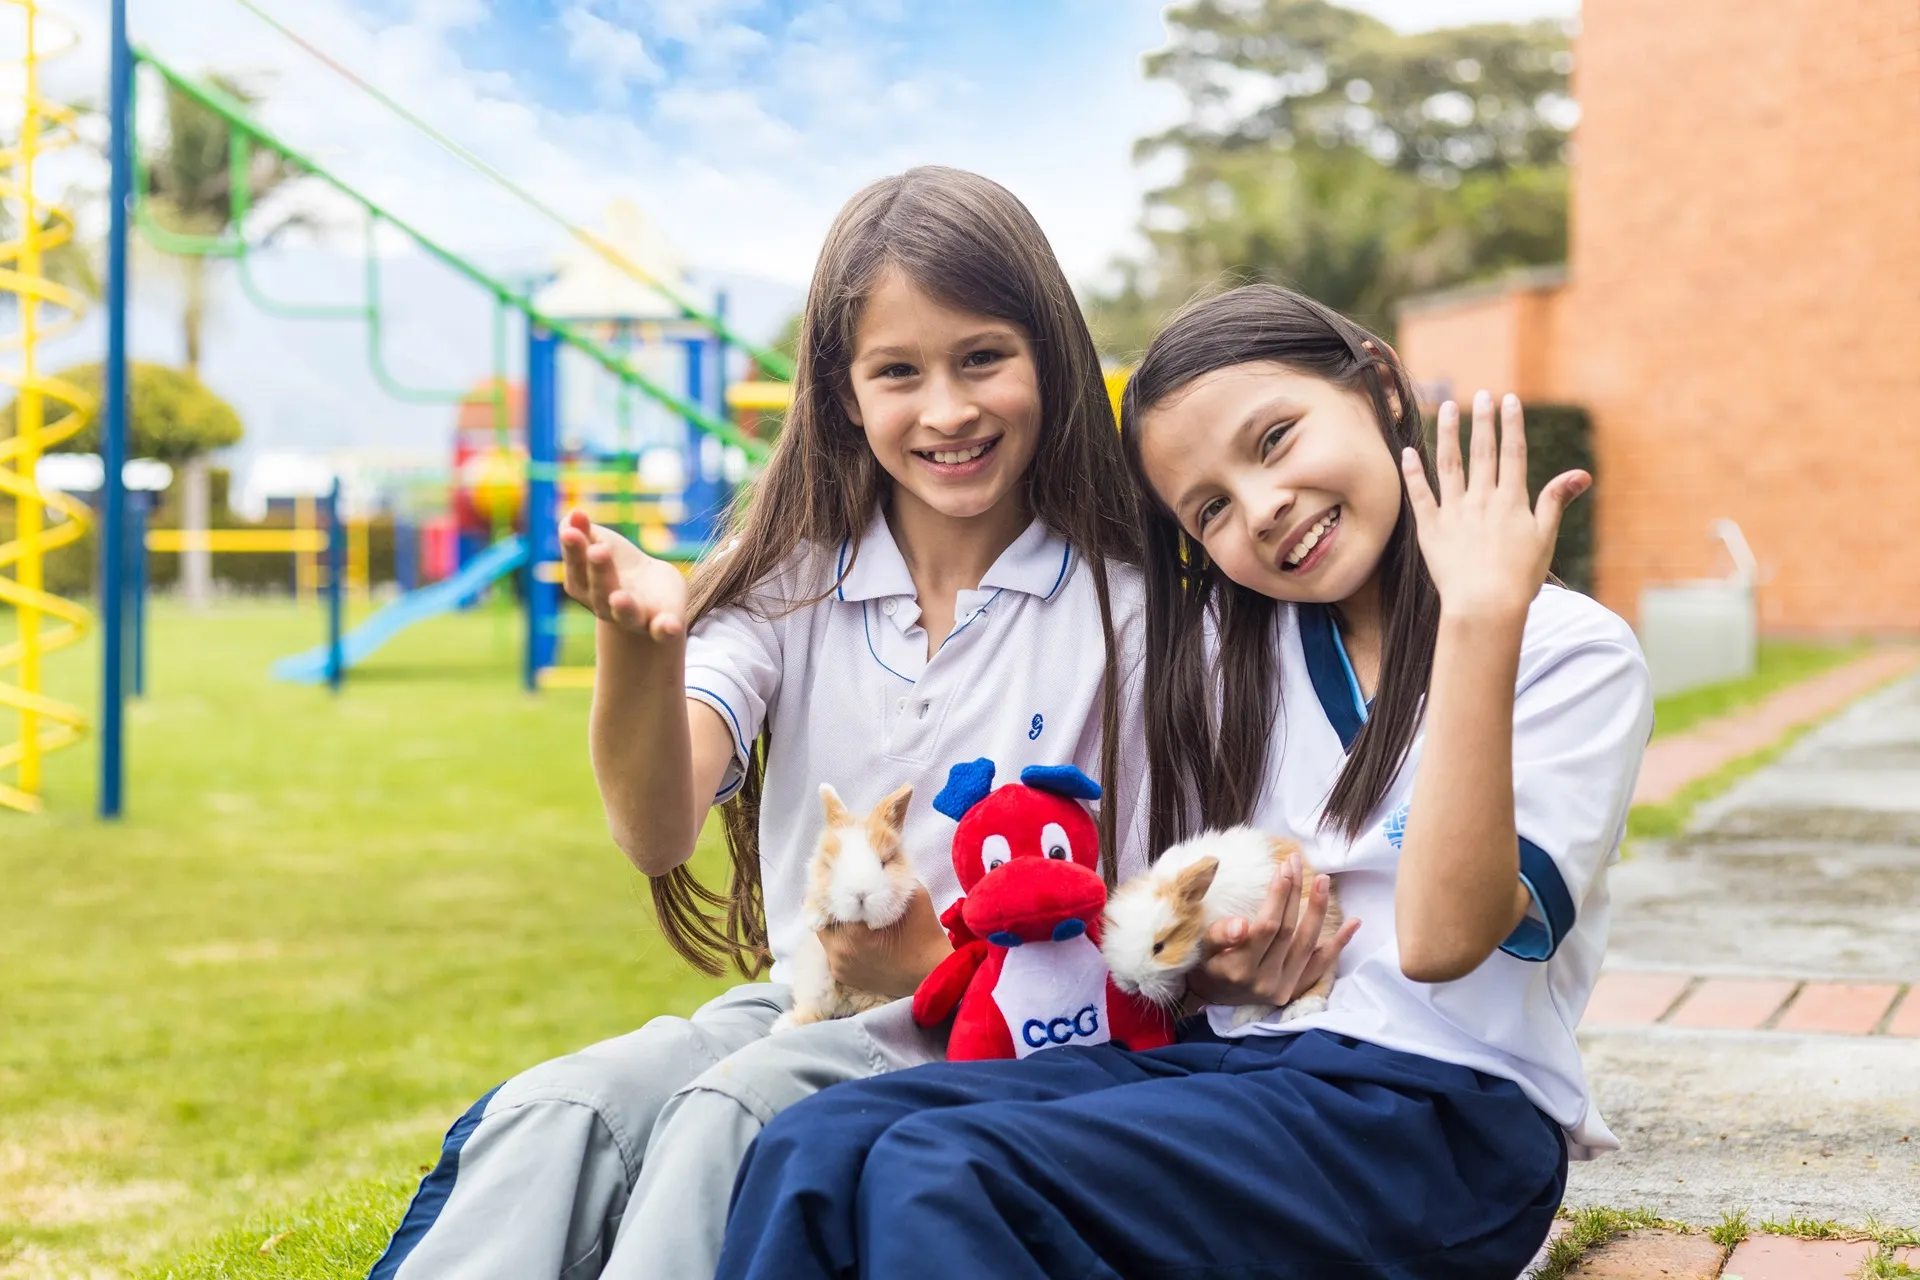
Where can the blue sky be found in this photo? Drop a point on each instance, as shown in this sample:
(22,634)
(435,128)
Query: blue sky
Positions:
(739,125)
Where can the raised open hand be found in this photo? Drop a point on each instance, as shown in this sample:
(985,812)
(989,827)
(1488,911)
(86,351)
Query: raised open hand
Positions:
(621,583)
(1487,546)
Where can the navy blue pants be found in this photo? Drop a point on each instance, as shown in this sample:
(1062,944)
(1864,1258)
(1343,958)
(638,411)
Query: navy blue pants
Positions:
(1308,1155)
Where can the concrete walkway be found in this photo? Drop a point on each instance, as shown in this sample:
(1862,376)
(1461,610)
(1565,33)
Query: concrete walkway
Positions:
(1746,1043)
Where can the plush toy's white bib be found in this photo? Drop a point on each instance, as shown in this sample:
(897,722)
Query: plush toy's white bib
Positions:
(1054,993)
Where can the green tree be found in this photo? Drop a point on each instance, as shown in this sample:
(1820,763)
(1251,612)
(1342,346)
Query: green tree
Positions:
(171,416)
(1325,151)
(190,185)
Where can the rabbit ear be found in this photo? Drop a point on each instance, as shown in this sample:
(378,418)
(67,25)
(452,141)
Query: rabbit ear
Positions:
(834,807)
(891,813)
(1191,885)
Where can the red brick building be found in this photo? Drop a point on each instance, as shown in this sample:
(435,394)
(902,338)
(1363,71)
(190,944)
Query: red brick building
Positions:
(1741,306)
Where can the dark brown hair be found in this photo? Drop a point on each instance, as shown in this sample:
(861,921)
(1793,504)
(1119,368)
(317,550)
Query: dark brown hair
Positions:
(968,242)
(1208,731)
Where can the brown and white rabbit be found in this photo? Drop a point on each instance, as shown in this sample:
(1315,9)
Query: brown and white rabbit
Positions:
(1155,922)
(859,875)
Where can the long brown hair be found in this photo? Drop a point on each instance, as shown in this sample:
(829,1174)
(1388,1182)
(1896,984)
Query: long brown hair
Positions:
(969,243)
(1207,768)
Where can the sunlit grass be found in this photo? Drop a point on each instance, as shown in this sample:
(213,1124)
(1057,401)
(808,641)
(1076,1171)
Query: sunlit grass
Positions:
(325,926)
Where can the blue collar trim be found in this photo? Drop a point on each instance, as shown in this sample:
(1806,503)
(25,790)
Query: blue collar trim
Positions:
(1332,674)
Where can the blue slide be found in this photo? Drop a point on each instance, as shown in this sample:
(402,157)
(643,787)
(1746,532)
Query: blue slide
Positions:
(498,560)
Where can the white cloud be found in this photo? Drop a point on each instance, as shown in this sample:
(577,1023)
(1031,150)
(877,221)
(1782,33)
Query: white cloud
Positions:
(617,57)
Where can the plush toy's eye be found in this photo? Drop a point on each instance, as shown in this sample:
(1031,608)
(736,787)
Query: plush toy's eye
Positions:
(1054,843)
(995,852)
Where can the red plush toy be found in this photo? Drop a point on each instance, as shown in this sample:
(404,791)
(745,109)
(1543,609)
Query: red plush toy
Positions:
(1026,972)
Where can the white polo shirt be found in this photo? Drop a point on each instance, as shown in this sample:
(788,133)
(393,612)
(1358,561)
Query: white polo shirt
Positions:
(854,700)
(1583,711)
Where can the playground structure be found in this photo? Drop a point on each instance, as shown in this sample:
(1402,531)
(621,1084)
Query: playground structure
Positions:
(607,481)
(44,622)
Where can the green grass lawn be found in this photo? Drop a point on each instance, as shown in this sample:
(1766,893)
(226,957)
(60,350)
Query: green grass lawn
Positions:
(325,926)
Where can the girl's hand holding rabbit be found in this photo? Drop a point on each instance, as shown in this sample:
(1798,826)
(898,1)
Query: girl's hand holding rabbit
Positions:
(1276,955)
(893,960)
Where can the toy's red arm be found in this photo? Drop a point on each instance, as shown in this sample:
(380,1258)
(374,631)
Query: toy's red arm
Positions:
(957,932)
(1136,1023)
(940,991)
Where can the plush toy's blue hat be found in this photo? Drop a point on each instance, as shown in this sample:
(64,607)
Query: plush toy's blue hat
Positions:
(969,783)
(1061,779)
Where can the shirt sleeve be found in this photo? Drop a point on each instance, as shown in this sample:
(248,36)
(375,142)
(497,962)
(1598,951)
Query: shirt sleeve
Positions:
(733,666)
(1580,727)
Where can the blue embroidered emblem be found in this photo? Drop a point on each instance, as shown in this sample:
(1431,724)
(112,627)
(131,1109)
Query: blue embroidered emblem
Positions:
(1395,826)
(1038,725)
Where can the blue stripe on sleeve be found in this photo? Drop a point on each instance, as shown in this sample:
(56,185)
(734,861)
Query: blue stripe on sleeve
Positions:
(745,752)
(1530,939)
(739,737)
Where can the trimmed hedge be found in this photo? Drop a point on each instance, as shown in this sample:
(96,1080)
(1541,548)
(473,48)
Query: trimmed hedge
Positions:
(1559,438)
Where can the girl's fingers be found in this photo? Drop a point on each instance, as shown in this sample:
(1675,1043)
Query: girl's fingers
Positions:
(1482,467)
(1301,941)
(1419,491)
(1513,446)
(1271,921)
(1225,935)
(1446,454)
(626,611)
(602,578)
(573,562)
(1326,955)
(1555,497)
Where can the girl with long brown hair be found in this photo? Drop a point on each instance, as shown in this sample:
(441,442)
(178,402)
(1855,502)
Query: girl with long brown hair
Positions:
(938,563)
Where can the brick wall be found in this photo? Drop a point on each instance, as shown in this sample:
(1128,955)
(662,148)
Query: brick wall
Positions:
(1744,313)
(1499,337)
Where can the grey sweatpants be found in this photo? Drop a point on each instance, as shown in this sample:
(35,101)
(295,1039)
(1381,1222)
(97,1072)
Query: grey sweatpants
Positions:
(618,1161)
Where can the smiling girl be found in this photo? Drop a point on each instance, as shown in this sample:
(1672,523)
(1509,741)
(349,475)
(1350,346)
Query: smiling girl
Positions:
(938,563)
(1341,652)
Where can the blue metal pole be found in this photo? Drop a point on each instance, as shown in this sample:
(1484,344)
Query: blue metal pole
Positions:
(543,518)
(336,587)
(137,507)
(723,491)
(113,434)
(406,554)
(702,495)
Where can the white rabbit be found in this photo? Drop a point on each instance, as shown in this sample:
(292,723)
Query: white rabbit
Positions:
(1155,922)
(859,875)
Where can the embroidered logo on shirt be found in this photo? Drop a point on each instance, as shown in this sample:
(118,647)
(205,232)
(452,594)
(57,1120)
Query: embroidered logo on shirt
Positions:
(1395,826)
(1039,1035)
(1038,725)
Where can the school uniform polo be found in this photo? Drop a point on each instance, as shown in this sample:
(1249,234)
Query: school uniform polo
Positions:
(1583,711)
(851,696)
